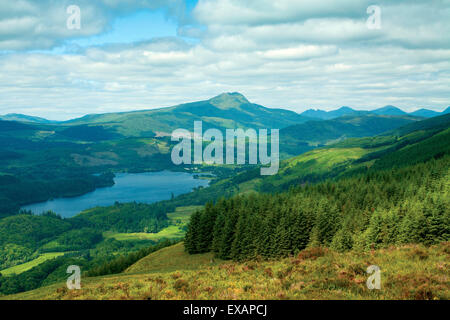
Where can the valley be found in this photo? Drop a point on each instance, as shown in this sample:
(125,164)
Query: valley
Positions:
(348,186)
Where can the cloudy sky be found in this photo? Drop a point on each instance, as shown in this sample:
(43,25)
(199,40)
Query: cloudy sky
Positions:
(292,54)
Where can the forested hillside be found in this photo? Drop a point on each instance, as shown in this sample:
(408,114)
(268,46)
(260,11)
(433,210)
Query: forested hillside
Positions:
(32,239)
(393,189)
(376,209)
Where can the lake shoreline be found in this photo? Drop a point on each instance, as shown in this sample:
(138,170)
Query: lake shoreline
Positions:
(145,187)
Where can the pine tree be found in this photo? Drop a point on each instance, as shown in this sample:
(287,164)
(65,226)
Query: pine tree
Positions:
(192,233)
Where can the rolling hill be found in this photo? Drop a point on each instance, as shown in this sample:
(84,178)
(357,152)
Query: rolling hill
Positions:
(305,136)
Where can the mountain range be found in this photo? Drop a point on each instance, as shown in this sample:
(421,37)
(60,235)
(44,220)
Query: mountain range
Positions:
(385,111)
(228,110)
(233,106)
(299,132)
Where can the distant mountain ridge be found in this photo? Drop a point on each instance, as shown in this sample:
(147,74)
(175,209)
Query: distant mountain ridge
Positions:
(228,110)
(389,111)
(384,111)
(328,115)
(24,118)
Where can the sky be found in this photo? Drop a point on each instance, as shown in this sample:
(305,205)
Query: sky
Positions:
(291,54)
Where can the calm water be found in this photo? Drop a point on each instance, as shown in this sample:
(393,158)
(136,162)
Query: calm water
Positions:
(140,187)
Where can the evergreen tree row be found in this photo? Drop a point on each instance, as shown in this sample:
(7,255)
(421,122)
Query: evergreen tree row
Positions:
(375,209)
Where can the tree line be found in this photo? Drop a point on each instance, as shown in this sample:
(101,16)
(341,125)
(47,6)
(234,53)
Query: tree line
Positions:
(370,210)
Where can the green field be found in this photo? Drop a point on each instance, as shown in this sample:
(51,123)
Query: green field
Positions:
(182,214)
(31,264)
(178,219)
(171,232)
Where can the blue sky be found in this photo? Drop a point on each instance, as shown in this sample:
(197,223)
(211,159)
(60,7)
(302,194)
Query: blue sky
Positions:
(141,25)
(144,54)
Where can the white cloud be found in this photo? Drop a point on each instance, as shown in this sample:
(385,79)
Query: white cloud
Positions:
(27,24)
(261,12)
(289,54)
(299,52)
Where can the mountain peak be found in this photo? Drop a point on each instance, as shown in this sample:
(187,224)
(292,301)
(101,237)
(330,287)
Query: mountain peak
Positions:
(229,100)
(425,113)
(345,108)
(389,111)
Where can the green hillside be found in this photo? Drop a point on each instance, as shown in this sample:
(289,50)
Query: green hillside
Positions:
(31,264)
(305,136)
(408,272)
(172,259)
(413,143)
(345,158)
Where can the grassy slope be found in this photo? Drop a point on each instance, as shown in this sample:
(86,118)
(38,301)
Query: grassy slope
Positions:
(171,259)
(30,264)
(408,272)
(316,162)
